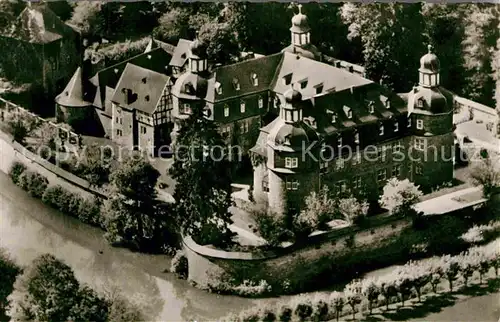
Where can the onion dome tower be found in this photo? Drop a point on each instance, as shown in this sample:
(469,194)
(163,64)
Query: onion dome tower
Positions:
(430,113)
(301,37)
(291,170)
(190,89)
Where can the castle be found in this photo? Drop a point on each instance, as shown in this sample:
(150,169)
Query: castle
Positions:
(299,118)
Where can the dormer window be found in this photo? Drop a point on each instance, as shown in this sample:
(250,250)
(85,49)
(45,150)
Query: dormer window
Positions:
(303,83)
(147,98)
(348,112)
(334,118)
(287,79)
(236,84)
(319,88)
(183,56)
(187,88)
(371,107)
(255,79)
(218,88)
(388,104)
(381,130)
(396,126)
(261,102)
(242,106)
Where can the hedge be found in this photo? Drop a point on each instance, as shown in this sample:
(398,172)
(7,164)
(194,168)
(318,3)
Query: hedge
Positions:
(401,284)
(16,170)
(34,183)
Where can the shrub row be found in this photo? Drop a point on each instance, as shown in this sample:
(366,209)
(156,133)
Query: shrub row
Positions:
(87,210)
(400,284)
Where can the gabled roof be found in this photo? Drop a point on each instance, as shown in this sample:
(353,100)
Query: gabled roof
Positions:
(72,95)
(154,60)
(314,73)
(146,88)
(227,76)
(40,25)
(181,53)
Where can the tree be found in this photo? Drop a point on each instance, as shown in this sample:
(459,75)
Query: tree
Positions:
(403,285)
(130,212)
(204,204)
(318,210)
(8,272)
(89,306)
(466,267)
(399,196)
(86,17)
(421,276)
(352,210)
(337,301)
(388,290)
(371,291)
(486,174)
(386,31)
(45,291)
(451,268)
(174,25)
(9,10)
(352,295)
(222,45)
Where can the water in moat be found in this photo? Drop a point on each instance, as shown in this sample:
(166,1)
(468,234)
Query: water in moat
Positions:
(28,228)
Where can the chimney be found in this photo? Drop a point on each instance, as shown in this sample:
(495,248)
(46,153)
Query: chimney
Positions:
(128,96)
(415,89)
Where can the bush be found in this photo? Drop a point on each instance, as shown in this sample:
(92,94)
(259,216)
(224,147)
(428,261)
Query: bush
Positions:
(16,170)
(272,228)
(89,211)
(55,196)
(179,264)
(34,183)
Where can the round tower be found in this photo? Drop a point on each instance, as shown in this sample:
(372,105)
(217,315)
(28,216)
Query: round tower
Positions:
(431,114)
(292,172)
(301,37)
(190,89)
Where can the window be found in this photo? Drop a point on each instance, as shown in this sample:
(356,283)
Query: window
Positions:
(339,164)
(356,159)
(382,152)
(420,143)
(418,169)
(226,111)
(117,120)
(381,130)
(119,132)
(420,103)
(218,88)
(277,102)
(144,129)
(186,108)
(242,107)
(292,184)
(396,126)
(356,137)
(340,187)
(396,147)
(396,171)
(265,186)
(287,79)
(348,112)
(244,127)
(291,162)
(339,142)
(371,107)
(323,166)
(409,121)
(236,84)
(319,89)
(261,102)
(303,84)
(334,117)
(381,176)
(356,182)
(255,80)
(420,124)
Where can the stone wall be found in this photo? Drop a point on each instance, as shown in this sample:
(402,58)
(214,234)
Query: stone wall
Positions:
(11,151)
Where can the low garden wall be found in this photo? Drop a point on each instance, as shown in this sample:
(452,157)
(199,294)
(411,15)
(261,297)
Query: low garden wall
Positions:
(11,151)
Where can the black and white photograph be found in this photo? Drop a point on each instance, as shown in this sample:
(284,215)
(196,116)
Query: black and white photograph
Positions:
(249,161)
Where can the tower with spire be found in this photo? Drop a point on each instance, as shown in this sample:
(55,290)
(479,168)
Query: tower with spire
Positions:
(430,120)
(301,37)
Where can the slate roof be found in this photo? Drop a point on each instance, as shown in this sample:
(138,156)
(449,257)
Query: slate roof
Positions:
(264,68)
(72,95)
(154,60)
(181,53)
(40,25)
(146,86)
